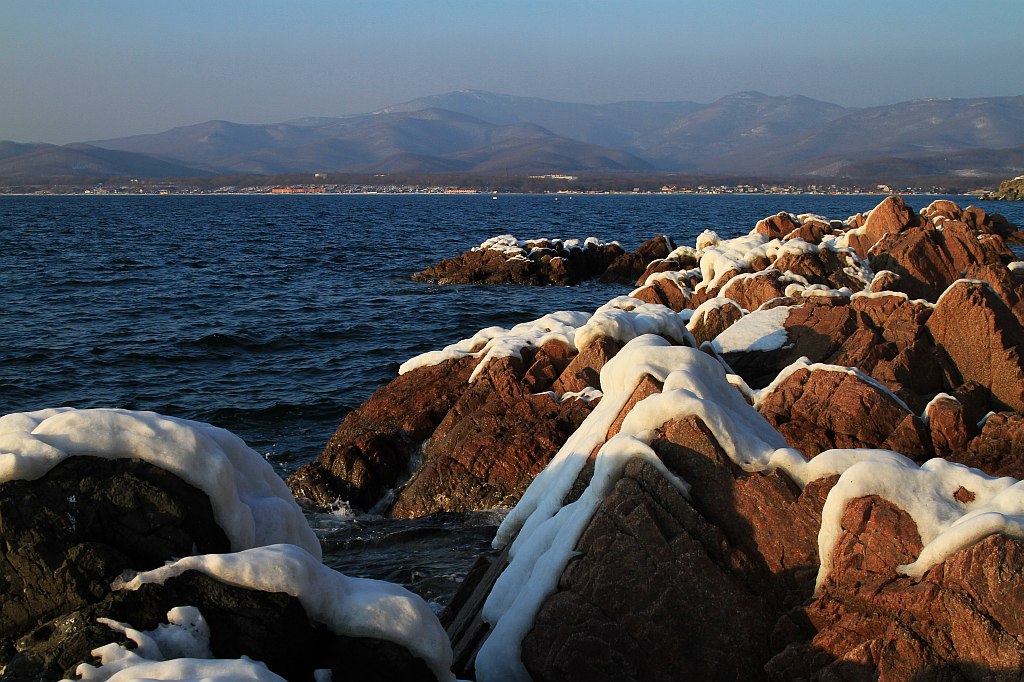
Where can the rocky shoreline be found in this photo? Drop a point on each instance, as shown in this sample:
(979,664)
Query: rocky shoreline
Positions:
(790,455)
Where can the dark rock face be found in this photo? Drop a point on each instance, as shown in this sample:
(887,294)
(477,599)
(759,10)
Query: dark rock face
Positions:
(629,266)
(999,449)
(544,262)
(289,643)
(67,536)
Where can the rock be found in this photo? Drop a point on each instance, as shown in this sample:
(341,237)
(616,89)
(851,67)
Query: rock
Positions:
(928,260)
(585,368)
(488,457)
(288,642)
(821,410)
(67,535)
(811,231)
(885,337)
(980,340)
(539,262)
(948,429)
(824,267)
(472,446)
(955,619)
(752,290)
(672,264)
(629,266)
(665,292)
(999,449)
(891,216)
(711,322)
(372,447)
(777,226)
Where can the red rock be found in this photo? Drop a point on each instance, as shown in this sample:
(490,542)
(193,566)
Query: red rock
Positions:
(585,369)
(957,618)
(753,290)
(489,456)
(372,446)
(892,216)
(980,340)
(927,261)
(664,292)
(948,429)
(885,280)
(714,321)
(824,267)
(999,449)
(777,225)
(811,231)
(821,410)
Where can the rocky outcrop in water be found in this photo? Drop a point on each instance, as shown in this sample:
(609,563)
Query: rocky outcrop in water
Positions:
(679,534)
(506,260)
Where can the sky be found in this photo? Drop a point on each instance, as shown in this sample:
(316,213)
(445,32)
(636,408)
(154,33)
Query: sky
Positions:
(74,71)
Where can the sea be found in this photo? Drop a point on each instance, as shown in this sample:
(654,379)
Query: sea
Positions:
(274,316)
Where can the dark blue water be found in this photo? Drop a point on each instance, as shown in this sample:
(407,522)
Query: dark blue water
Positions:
(273,316)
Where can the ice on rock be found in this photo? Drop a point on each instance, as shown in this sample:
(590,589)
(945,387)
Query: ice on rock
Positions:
(250,500)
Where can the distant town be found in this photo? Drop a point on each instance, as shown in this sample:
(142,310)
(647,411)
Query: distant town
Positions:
(547,184)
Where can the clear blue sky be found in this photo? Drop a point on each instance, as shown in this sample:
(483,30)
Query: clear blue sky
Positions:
(74,70)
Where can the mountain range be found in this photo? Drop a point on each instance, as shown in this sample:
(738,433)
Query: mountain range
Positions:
(746,134)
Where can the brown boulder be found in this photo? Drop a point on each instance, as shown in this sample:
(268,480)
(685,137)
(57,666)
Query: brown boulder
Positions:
(664,292)
(891,216)
(752,290)
(947,427)
(777,226)
(999,449)
(712,321)
(980,340)
(629,266)
(928,260)
(487,458)
(372,446)
(957,620)
(820,410)
(824,267)
(585,368)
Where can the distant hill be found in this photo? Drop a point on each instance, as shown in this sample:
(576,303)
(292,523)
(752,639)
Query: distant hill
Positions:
(72,161)
(424,140)
(746,134)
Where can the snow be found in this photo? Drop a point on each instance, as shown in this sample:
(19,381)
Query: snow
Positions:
(356,607)
(1016,266)
(926,493)
(694,382)
(251,502)
(624,318)
(761,330)
(495,342)
(731,255)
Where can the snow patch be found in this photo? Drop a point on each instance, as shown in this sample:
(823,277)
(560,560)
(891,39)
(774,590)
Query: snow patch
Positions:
(250,501)
(761,330)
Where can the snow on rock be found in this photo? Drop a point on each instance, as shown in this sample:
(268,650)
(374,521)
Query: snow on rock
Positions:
(624,318)
(356,607)
(543,533)
(761,330)
(495,342)
(250,501)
